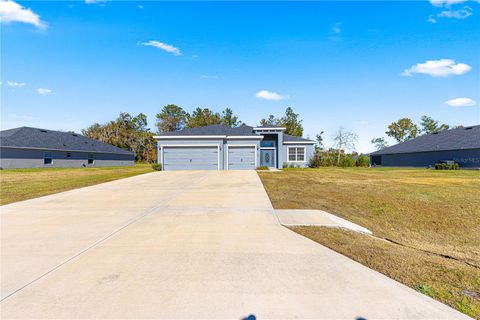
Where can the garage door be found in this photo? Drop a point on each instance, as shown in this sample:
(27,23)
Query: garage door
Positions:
(190,158)
(241,158)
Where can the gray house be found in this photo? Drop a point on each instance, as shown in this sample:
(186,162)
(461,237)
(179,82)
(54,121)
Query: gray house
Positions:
(461,145)
(27,147)
(218,147)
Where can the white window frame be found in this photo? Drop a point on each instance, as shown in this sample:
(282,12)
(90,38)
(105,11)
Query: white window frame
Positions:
(296,154)
(240,145)
(51,158)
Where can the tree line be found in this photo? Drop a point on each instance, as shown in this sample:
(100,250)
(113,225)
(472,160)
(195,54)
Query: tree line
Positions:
(405,129)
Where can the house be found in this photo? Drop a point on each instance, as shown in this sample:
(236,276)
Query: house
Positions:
(461,145)
(27,147)
(218,147)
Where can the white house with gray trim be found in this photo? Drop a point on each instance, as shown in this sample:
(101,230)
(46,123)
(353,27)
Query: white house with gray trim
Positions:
(27,147)
(218,147)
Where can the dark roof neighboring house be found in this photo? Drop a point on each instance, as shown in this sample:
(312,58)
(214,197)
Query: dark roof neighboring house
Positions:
(27,137)
(270,127)
(453,139)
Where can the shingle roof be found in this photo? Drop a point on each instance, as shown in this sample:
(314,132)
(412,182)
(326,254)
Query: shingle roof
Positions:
(287,137)
(213,130)
(454,139)
(26,137)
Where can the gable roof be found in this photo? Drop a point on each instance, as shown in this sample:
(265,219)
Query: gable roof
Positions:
(27,137)
(213,130)
(453,139)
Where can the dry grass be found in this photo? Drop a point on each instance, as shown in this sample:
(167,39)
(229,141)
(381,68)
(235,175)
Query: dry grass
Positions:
(22,184)
(435,211)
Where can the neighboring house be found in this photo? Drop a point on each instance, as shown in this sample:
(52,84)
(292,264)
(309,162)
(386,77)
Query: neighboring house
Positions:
(461,145)
(27,147)
(218,147)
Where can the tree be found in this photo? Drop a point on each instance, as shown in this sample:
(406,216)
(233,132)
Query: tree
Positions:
(126,132)
(203,117)
(171,118)
(344,141)
(402,130)
(270,121)
(319,142)
(429,125)
(379,143)
(290,121)
(229,120)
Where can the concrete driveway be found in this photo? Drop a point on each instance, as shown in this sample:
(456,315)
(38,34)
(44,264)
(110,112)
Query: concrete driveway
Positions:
(182,245)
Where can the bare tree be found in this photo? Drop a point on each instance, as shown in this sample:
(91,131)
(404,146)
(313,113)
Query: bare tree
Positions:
(344,141)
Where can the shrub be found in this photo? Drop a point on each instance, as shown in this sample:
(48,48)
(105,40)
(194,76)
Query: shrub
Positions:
(285,165)
(292,165)
(347,161)
(157,166)
(363,161)
(315,161)
(446,166)
(262,168)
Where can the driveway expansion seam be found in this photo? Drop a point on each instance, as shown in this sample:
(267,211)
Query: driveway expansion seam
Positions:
(144,213)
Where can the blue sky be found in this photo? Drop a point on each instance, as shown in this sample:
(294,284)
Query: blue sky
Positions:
(360,65)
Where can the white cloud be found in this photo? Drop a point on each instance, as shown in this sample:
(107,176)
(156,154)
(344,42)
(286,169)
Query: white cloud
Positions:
(16,84)
(95,1)
(44,91)
(461,102)
(22,117)
(163,46)
(11,11)
(140,6)
(431,19)
(438,68)
(456,14)
(446,3)
(269,95)
(213,76)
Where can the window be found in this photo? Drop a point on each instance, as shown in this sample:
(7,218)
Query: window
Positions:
(47,158)
(267,143)
(296,154)
(90,158)
(69,154)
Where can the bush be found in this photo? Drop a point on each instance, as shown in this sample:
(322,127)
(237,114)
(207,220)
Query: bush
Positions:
(262,168)
(157,166)
(285,165)
(347,161)
(446,166)
(363,161)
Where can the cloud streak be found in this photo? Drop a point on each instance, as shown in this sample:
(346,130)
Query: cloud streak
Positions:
(44,91)
(269,95)
(438,68)
(11,11)
(461,102)
(162,46)
(16,84)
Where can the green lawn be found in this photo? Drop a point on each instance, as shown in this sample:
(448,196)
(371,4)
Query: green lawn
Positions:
(22,184)
(431,219)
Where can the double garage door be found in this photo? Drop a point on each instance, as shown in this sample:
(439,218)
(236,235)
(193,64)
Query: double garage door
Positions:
(207,158)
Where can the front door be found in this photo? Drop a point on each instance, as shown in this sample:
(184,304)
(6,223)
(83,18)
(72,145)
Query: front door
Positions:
(267,158)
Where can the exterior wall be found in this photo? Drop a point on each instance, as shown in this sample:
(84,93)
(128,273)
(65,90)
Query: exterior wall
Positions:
(465,158)
(309,151)
(221,143)
(13,158)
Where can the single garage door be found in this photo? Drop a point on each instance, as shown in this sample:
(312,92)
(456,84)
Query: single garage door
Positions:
(241,158)
(190,158)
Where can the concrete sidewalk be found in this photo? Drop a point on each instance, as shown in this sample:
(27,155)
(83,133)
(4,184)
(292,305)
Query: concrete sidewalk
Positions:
(183,245)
